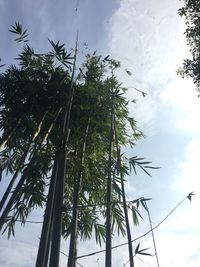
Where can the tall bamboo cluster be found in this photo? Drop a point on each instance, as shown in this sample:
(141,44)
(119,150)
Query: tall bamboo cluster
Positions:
(63,127)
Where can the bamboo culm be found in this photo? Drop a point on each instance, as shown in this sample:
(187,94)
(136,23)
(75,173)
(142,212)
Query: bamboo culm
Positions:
(22,160)
(22,179)
(9,135)
(128,230)
(59,193)
(77,185)
(43,250)
(108,256)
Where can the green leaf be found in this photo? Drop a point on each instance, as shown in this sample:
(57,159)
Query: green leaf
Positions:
(137,248)
(190,196)
(18,30)
(2,64)
(128,72)
(135,214)
(141,251)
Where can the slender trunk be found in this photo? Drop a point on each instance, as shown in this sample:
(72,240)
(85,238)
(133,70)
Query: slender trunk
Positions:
(108,257)
(49,237)
(128,230)
(21,162)
(8,190)
(152,233)
(51,126)
(44,246)
(21,181)
(57,216)
(43,251)
(74,223)
(77,185)
(9,135)
(15,193)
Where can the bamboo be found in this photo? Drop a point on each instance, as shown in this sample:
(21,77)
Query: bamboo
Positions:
(128,230)
(108,256)
(22,160)
(57,216)
(21,181)
(9,135)
(43,250)
(77,183)
(9,188)
(44,245)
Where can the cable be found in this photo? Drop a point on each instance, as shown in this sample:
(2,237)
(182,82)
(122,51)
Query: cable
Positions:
(139,237)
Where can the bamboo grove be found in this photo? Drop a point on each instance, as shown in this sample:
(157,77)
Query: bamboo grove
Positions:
(62,130)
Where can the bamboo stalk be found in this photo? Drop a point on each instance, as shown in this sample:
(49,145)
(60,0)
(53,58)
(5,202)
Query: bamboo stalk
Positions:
(9,135)
(22,180)
(44,245)
(152,233)
(9,188)
(57,216)
(77,183)
(22,160)
(43,250)
(15,193)
(128,230)
(108,256)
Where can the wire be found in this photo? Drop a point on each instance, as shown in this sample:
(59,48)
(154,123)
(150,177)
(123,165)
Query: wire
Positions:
(139,237)
(123,244)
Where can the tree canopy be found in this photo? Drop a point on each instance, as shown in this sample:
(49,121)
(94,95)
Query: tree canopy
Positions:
(191,14)
(63,127)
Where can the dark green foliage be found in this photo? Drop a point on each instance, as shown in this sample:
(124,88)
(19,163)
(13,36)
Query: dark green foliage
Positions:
(190,196)
(191,14)
(142,251)
(22,35)
(144,165)
(60,126)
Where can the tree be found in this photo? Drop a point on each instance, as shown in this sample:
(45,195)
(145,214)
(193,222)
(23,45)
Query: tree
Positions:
(191,13)
(62,129)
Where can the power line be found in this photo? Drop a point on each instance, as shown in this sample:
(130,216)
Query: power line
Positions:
(141,236)
(137,238)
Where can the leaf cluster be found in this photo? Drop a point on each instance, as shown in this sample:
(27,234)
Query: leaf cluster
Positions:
(34,96)
(191,14)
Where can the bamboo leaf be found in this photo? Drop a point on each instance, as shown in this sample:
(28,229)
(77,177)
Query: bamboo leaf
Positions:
(137,248)
(190,195)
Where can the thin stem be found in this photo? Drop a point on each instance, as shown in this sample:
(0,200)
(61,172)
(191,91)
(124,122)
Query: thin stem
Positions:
(21,162)
(77,184)
(57,215)
(21,182)
(152,232)
(108,256)
(9,135)
(46,228)
(128,230)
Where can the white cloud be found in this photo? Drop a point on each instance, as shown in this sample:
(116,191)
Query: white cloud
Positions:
(147,37)
(187,175)
(176,250)
(181,99)
(17,254)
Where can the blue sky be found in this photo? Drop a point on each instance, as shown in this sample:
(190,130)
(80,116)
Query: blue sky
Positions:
(147,37)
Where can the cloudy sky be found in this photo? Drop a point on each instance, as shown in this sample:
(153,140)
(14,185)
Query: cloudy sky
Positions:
(147,37)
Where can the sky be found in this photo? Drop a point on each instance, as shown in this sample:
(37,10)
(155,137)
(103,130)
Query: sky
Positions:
(147,38)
